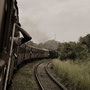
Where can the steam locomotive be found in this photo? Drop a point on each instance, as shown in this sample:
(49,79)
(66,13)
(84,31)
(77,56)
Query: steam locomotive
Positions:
(10,56)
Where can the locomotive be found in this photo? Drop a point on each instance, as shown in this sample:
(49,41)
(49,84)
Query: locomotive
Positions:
(10,56)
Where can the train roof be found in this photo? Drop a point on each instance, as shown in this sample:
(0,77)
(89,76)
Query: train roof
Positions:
(37,47)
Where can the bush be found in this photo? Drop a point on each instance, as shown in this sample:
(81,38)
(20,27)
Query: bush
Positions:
(73,51)
(76,76)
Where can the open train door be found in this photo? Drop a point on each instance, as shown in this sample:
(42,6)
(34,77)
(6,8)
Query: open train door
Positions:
(7,28)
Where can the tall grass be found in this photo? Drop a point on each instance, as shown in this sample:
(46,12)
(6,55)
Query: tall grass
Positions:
(74,75)
(24,79)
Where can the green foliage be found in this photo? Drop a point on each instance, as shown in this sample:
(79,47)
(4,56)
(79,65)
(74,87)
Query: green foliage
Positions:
(81,51)
(85,41)
(72,50)
(66,50)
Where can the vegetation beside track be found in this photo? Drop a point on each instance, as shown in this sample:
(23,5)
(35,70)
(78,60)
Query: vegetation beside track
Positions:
(74,75)
(24,79)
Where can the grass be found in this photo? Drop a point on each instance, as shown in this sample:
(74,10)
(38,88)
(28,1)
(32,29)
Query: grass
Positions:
(75,76)
(24,79)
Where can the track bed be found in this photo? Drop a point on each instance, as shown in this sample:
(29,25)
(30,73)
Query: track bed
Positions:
(45,81)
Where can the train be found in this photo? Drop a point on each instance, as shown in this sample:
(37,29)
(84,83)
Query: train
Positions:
(10,56)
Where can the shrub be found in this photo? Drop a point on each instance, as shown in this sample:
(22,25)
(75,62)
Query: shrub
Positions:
(76,76)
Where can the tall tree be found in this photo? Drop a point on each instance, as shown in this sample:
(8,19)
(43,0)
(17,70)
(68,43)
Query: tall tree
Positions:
(85,41)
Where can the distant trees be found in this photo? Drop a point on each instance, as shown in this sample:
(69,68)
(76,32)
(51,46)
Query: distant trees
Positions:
(73,50)
(85,41)
(66,50)
(81,51)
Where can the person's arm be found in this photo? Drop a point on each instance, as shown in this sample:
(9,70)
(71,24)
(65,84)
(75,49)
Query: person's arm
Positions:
(26,36)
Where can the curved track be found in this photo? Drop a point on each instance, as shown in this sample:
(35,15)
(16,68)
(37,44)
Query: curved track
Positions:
(45,80)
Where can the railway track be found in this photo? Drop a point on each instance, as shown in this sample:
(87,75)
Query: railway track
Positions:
(45,80)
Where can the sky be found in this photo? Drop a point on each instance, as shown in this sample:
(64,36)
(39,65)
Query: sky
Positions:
(62,20)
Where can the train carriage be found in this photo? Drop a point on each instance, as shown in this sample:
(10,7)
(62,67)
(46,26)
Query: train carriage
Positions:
(21,54)
(27,52)
(10,56)
(6,27)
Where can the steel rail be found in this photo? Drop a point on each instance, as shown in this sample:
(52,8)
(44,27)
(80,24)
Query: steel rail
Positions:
(37,78)
(54,80)
(49,75)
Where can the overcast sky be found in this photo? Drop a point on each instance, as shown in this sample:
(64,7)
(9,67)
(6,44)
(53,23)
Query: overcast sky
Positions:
(62,20)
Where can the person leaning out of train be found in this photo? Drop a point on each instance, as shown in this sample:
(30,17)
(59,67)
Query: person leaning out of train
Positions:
(20,40)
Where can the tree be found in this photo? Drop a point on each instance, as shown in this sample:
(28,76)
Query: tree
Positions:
(72,50)
(81,51)
(66,51)
(85,41)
